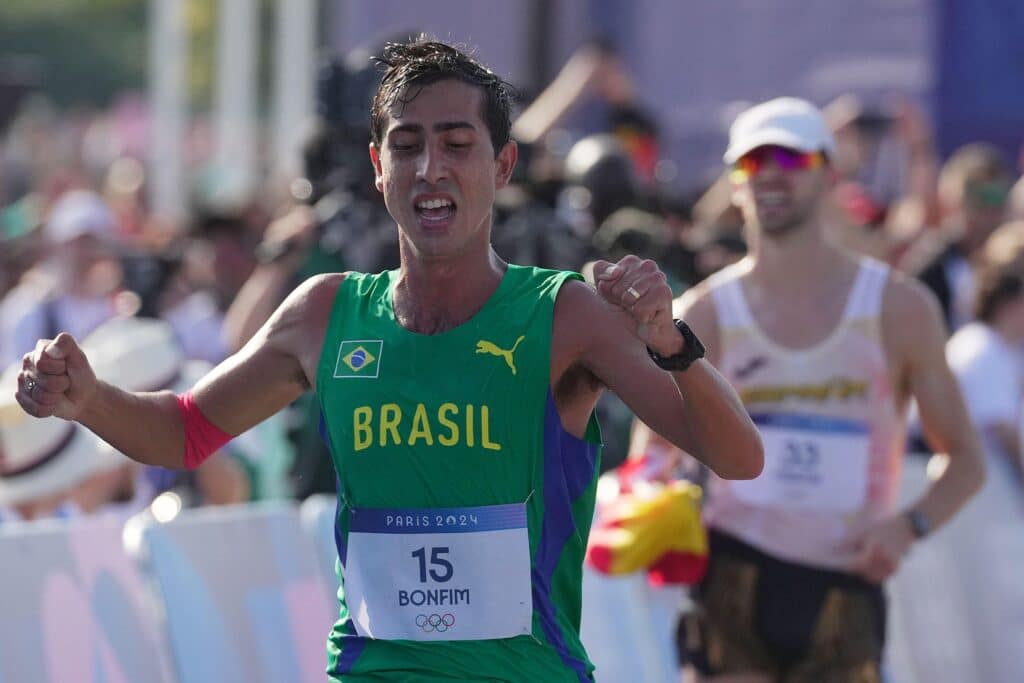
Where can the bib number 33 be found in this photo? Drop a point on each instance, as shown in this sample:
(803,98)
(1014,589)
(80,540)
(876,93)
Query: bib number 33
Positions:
(810,467)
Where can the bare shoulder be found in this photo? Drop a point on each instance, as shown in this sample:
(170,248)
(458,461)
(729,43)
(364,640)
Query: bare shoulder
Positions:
(912,320)
(309,305)
(575,294)
(578,311)
(296,329)
(908,301)
(696,306)
(584,323)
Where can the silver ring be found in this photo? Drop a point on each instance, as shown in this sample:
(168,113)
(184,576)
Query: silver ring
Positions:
(632,290)
(30,384)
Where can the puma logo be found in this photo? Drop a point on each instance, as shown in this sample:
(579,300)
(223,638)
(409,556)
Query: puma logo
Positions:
(484,346)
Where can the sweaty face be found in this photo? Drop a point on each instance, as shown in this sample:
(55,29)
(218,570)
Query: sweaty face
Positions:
(781,191)
(438,172)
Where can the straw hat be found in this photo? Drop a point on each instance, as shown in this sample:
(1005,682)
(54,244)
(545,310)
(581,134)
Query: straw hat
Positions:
(41,457)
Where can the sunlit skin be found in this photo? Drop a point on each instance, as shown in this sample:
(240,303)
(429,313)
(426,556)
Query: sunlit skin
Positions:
(437,147)
(776,201)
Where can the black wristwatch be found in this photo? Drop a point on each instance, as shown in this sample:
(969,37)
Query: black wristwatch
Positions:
(920,525)
(692,350)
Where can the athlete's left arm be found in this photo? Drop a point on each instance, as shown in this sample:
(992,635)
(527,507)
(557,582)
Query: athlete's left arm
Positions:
(913,324)
(606,331)
(915,335)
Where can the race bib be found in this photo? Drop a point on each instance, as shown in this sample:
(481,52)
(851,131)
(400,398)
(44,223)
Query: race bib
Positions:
(810,463)
(439,573)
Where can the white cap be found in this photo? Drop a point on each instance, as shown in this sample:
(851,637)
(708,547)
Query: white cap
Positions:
(77,213)
(786,122)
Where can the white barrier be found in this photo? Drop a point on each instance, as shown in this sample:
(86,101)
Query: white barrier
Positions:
(629,628)
(957,604)
(244,598)
(317,514)
(248,594)
(75,608)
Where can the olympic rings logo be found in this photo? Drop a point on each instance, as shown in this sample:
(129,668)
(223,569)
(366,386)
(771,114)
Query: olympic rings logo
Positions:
(435,622)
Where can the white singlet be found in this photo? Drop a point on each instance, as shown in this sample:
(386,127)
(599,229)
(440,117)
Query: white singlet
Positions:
(832,432)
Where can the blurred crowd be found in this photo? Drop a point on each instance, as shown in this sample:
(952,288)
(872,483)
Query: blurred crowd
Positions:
(80,251)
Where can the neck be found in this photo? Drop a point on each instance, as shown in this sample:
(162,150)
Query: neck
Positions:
(435,296)
(797,263)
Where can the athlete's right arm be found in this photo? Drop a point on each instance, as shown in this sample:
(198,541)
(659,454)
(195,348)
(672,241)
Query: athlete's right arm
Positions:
(273,369)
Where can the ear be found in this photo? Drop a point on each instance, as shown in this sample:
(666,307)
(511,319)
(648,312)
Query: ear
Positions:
(506,162)
(378,176)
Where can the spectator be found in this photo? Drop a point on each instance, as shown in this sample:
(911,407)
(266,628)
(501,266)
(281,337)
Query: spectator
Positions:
(985,356)
(974,186)
(73,288)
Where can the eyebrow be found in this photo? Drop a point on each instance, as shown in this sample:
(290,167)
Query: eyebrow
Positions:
(438,127)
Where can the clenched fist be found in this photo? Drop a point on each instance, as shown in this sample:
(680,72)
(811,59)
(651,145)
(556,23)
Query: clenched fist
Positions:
(55,379)
(639,288)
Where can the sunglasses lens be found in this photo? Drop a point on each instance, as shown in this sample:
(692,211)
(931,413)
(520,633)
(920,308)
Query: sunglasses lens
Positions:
(749,165)
(790,160)
(787,159)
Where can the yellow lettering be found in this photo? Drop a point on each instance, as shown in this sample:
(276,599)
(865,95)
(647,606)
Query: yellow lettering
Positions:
(453,428)
(485,430)
(420,427)
(847,388)
(390,418)
(470,436)
(362,431)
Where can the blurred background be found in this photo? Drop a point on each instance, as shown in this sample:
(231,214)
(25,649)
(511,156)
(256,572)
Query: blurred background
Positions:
(187,162)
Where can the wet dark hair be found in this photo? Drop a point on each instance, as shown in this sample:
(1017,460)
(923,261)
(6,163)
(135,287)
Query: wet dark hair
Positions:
(409,67)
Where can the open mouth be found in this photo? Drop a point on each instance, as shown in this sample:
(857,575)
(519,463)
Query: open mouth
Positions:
(772,200)
(435,212)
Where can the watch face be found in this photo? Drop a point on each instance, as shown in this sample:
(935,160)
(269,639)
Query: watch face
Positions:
(692,350)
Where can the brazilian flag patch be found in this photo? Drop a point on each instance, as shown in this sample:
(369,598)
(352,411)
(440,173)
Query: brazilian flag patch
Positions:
(359,358)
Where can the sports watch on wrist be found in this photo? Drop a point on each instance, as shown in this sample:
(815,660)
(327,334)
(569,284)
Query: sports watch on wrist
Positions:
(920,525)
(692,350)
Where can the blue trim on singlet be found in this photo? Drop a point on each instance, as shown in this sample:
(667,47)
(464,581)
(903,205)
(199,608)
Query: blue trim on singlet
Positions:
(569,465)
(810,423)
(352,648)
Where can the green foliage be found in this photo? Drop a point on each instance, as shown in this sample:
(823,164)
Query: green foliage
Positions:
(87,50)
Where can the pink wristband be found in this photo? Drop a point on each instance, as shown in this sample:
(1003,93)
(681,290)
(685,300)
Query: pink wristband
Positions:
(202,437)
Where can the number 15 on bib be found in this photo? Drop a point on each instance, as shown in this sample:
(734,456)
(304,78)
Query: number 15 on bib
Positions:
(439,573)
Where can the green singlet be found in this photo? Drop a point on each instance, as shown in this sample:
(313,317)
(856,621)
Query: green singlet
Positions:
(463,505)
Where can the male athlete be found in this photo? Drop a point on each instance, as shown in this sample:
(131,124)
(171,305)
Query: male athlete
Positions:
(457,394)
(825,349)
